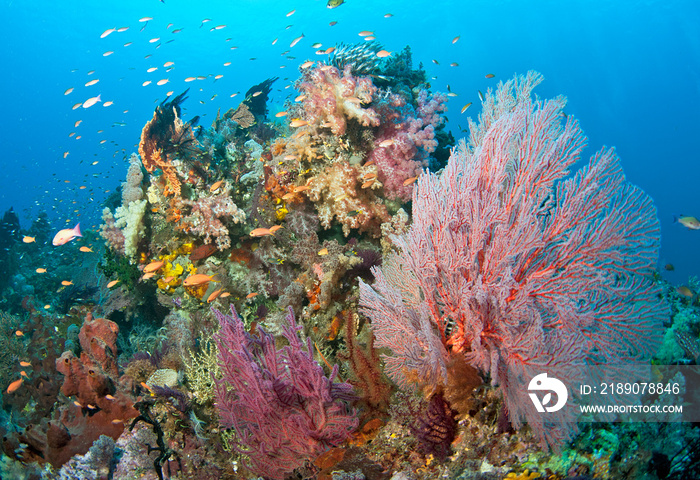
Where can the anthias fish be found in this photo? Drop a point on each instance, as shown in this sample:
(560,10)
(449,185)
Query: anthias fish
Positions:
(66,235)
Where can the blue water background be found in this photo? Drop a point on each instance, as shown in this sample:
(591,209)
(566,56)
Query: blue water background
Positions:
(630,69)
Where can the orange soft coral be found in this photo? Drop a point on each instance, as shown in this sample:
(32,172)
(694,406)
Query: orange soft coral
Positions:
(152,158)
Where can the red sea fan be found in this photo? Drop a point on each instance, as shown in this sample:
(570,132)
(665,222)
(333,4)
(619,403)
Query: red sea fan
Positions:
(515,264)
(284,409)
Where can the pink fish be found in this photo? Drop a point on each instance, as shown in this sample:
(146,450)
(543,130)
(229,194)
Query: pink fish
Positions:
(66,235)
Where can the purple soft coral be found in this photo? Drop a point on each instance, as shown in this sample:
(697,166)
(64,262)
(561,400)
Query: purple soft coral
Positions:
(282,406)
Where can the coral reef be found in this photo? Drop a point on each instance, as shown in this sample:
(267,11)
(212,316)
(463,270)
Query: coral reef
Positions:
(481,267)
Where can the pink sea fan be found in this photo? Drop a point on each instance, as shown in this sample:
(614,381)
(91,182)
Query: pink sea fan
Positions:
(284,409)
(513,263)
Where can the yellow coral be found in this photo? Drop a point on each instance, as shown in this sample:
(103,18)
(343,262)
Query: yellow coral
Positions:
(526,475)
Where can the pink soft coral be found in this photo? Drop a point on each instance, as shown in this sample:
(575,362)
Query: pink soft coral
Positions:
(331,99)
(405,140)
(206,215)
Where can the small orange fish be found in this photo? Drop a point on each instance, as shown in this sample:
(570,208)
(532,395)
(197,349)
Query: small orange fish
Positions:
(25,364)
(77,404)
(66,235)
(300,98)
(409,181)
(334,328)
(24,374)
(149,275)
(261,232)
(168,279)
(109,397)
(112,283)
(86,249)
(297,122)
(214,295)
(47,306)
(15,385)
(368,176)
(251,295)
(19,333)
(489,75)
(323,251)
(68,91)
(383,54)
(153,266)
(198,279)
(29,239)
(66,283)
(280,114)
(386,143)
(225,294)
(307,64)
(40,270)
(91,407)
(215,186)
(301,188)
(365,33)
(117,420)
(329,50)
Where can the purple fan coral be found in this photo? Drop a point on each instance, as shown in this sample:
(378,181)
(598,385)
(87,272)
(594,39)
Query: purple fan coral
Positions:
(283,408)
